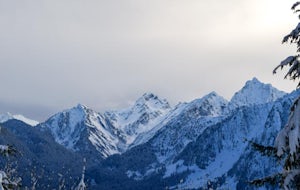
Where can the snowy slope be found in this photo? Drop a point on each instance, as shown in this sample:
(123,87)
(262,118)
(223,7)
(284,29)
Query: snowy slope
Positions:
(8,116)
(220,147)
(186,123)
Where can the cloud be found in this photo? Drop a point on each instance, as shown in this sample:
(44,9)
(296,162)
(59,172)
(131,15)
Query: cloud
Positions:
(55,54)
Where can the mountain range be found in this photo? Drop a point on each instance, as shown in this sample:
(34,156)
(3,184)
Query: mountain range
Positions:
(152,145)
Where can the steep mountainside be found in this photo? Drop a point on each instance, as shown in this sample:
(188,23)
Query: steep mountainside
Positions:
(136,121)
(83,130)
(39,155)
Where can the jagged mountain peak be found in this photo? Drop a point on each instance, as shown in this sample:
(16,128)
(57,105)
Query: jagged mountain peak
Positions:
(140,118)
(213,96)
(255,92)
(148,104)
(81,107)
(254,80)
(254,83)
(82,112)
(209,105)
(148,96)
(150,100)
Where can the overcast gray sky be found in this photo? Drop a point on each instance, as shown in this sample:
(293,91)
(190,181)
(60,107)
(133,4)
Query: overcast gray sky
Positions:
(105,54)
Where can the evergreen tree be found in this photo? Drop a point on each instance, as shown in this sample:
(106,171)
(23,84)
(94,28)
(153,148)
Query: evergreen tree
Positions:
(7,181)
(287,143)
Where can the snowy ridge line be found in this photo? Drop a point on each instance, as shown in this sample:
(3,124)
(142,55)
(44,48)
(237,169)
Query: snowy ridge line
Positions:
(8,116)
(111,132)
(115,132)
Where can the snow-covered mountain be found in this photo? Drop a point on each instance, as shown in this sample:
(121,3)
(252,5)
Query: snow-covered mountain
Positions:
(110,133)
(147,112)
(151,144)
(81,129)
(208,140)
(8,116)
(115,131)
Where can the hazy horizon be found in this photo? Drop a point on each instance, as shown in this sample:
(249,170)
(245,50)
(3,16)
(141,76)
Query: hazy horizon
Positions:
(43,116)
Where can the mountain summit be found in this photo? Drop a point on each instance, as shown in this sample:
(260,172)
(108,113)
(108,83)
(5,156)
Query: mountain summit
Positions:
(255,92)
(209,105)
(140,118)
